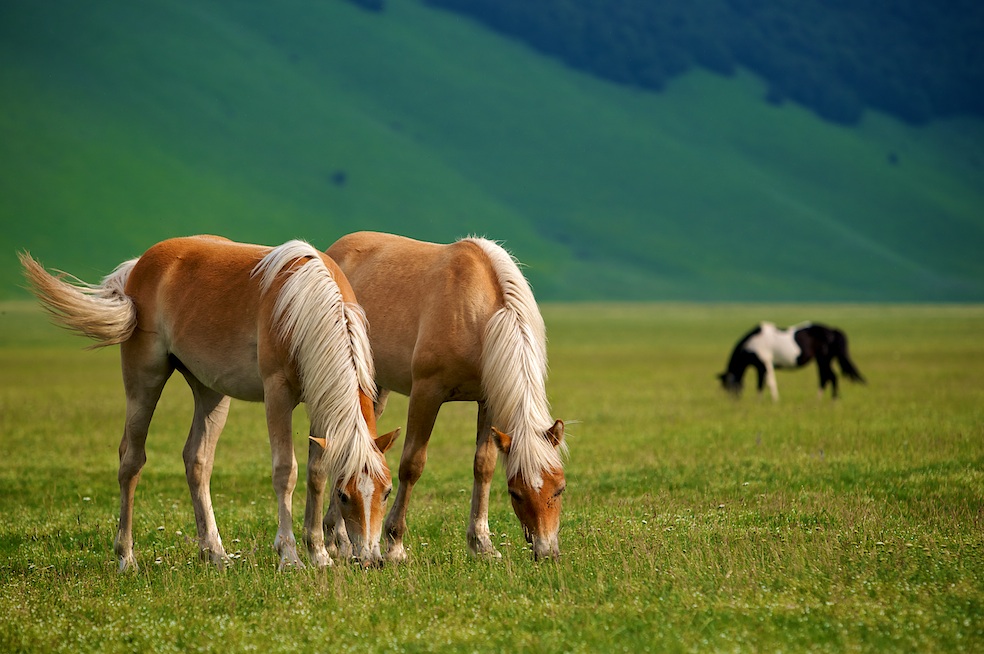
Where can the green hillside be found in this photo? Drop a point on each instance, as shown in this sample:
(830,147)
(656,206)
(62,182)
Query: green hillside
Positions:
(123,124)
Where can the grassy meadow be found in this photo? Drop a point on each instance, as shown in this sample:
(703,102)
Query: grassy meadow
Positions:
(692,522)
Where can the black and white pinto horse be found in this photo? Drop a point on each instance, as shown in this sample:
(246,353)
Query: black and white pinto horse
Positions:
(768,347)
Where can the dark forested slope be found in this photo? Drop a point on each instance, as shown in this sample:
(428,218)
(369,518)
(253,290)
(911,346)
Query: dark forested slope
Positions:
(913,59)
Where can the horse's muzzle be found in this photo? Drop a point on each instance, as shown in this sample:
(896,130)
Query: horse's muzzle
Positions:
(368,558)
(546,547)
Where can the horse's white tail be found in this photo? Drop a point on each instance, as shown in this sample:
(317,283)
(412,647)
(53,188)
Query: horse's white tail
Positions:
(102,312)
(329,342)
(514,371)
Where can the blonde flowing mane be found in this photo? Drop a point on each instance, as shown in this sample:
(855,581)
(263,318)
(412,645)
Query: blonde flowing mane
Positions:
(328,339)
(514,371)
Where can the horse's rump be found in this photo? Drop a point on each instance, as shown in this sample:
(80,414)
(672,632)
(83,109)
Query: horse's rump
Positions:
(195,301)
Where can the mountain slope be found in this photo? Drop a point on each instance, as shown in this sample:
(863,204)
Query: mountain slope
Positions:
(122,125)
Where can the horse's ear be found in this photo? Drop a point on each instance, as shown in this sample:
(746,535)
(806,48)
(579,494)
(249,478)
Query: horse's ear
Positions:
(555,435)
(386,441)
(502,441)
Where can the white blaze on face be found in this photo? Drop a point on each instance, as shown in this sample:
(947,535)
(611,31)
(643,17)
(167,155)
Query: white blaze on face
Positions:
(366,489)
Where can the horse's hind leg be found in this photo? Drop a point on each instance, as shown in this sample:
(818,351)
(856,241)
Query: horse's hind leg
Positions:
(826,374)
(211,410)
(486,456)
(145,371)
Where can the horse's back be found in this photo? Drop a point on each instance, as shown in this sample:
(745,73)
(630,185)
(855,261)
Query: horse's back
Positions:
(427,306)
(376,261)
(194,276)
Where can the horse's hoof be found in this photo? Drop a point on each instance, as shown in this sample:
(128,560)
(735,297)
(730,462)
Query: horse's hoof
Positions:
(396,554)
(218,558)
(340,551)
(290,564)
(127,564)
(483,549)
(320,559)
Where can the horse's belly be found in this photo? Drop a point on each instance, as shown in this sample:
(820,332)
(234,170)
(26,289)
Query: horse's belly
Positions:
(250,390)
(238,378)
(396,372)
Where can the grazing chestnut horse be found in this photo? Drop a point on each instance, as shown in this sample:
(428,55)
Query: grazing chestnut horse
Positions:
(768,347)
(459,322)
(278,326)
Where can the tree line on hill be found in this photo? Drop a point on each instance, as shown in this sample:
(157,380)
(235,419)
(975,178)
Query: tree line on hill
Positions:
(913,59)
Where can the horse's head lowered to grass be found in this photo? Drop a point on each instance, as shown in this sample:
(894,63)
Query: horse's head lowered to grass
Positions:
(359,495)
(536,497)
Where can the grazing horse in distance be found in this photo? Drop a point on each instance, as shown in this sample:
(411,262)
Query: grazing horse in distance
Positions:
(768,347)
(272,325)
(458,322)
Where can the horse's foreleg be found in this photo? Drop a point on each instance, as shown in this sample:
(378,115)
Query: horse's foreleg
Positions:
(486,456)
(760,374)
(144,376)
(280,403)
(314,534)
(425,402)
(337,539)
(211,411)
(336,534)
(770,380)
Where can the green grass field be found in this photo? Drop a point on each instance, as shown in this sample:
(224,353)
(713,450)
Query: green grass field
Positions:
(692,522)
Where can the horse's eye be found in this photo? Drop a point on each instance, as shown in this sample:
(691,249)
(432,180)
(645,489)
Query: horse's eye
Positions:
(343,496)
(387,493)
(516,496)
(560,491)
